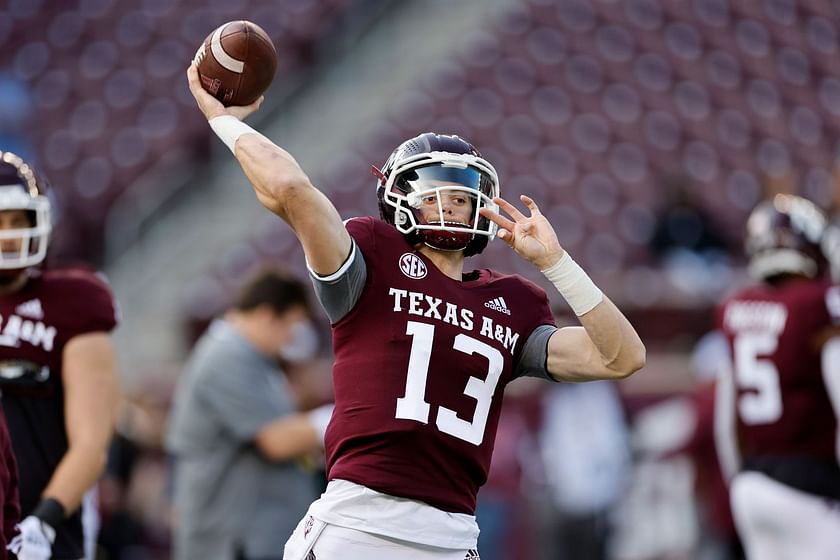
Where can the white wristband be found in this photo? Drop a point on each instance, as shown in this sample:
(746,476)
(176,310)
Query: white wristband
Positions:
(229,129)
(576,287)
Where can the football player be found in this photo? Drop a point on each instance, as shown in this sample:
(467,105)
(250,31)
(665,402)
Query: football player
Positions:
(423,349)
(57,370)
(779,403)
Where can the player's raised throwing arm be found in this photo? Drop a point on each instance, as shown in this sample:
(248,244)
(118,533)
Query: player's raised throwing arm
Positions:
(279,182)
(607,346)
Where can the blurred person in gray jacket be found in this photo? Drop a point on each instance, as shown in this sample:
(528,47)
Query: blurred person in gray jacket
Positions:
(235,434)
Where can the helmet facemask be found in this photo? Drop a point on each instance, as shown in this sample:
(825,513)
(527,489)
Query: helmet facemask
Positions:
(429,193)
(26,246)
(26,208)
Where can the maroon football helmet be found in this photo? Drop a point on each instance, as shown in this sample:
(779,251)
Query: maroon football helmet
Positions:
(22,189)
(428,167)
(785,235)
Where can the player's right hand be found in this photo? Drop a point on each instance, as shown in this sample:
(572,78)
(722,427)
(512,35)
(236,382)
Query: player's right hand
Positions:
(532,237)
(212,107)
(34,541)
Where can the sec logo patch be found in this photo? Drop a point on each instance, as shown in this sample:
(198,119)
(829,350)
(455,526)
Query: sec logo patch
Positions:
(413,266)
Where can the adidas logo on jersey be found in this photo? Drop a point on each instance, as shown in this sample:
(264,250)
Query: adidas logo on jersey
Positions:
(31,309)
(498,304)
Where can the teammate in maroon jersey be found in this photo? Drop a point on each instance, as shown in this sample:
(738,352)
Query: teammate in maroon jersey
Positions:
(423,350)
(57,371)
(781,399)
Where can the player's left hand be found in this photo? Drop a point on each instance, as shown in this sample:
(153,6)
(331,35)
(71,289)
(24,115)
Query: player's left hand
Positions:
(34,541)
(532,237)
(212,107)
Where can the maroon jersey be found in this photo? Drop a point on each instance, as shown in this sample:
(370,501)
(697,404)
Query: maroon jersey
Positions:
(421,363)
(35,325)
(782,403)
(10,512)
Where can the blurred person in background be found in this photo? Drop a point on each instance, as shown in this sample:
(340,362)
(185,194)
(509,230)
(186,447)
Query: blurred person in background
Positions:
(134,497)
(234,432)
(779,404)
(423,349)
(57,372)
(585,449)
(508,528)
(718,539)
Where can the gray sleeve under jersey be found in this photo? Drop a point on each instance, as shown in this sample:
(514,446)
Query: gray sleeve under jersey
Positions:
(532,362)
(339,292)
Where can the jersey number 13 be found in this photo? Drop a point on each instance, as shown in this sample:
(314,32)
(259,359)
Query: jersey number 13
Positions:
(413,405)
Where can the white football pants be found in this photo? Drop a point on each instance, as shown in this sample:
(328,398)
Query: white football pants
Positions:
(316,540)
(777,522)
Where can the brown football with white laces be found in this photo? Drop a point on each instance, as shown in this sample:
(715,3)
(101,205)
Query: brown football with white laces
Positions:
(236,63)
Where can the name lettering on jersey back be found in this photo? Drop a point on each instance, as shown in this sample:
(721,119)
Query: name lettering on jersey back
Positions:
(13,329)
(422,305)
(755,315)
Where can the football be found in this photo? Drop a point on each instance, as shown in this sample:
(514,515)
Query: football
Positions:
(236,63)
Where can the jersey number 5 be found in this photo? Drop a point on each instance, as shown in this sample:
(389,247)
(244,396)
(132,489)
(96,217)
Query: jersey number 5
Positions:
(763,405)
(413,405)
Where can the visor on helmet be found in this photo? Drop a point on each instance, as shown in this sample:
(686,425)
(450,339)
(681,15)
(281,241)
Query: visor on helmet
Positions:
(436,175)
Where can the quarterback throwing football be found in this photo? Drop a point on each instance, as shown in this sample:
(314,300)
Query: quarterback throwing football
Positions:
(423,349)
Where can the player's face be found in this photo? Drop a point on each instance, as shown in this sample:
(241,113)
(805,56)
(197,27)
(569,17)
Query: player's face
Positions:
(13,219)
(456,206)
